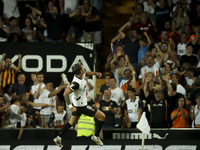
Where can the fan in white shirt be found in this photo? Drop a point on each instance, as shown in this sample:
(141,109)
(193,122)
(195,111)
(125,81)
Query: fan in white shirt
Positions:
(69,6)
(147,6)
(181,47)
(176,78)
(117,94)
(17,115)
(48,96)
(195,112)
(37,89)
(122,62)
(10,9)
(132,108)
(190,77)
(58,117)
(151,67)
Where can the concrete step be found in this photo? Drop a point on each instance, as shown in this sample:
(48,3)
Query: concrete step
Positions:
(128,3)
(117,10)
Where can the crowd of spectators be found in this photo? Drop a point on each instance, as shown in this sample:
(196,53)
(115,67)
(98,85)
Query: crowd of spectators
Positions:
(156,65)
(155,68)
(51,21)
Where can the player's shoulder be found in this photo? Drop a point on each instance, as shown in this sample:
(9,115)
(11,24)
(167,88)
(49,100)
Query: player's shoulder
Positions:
(74,86)
(74,83)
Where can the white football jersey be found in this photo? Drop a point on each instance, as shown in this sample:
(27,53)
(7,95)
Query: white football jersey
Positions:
(181,49)
(59,118)
(78,87)
(132,109)
(15,117)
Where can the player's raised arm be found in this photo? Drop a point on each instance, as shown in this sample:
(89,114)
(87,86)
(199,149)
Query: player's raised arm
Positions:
(73,86)
(94,73)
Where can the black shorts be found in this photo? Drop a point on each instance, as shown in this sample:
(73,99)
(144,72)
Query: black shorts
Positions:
(86,110)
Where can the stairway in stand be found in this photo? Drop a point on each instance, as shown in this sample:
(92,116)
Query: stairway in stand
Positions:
(115,14)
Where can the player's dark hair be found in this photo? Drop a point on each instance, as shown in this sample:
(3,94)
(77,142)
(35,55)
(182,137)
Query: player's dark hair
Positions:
(76,68)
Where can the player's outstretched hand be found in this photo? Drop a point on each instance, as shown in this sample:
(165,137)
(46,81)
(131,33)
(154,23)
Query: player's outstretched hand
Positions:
(73,109)
(99,74)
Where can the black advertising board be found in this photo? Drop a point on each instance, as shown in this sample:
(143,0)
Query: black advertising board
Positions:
(50,58)
(117,139)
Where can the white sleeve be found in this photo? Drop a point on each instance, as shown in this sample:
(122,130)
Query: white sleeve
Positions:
(33,89)
(174,8)
(198,65)
(8,98)
(174,1)
(141,73)
(83,76)
(188,1)
(184,91)
(120,85)
(157,65)
(23,121)
(23,30)
(91,82)
(45,94)
(122,95)
(14,108)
